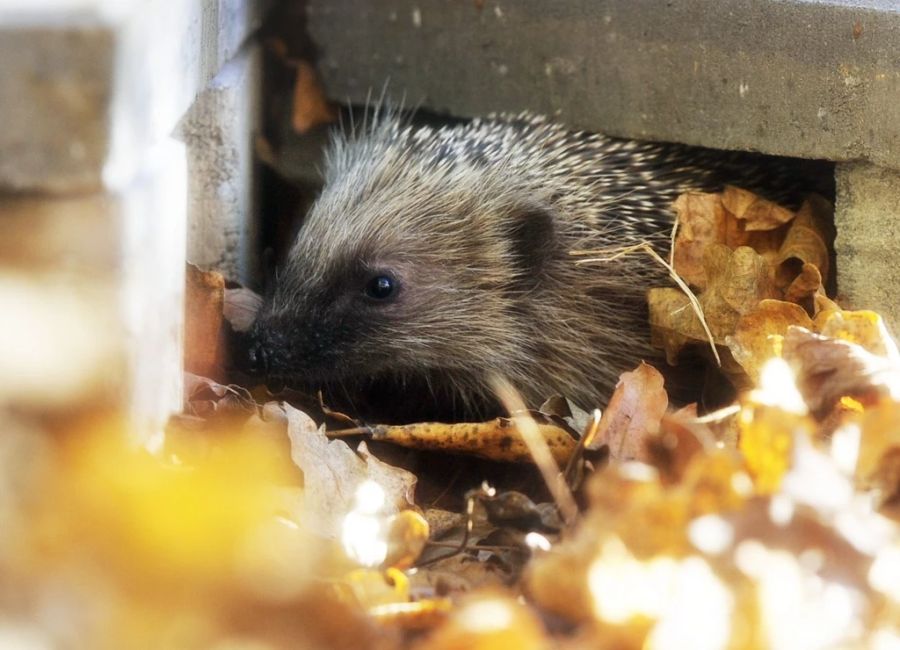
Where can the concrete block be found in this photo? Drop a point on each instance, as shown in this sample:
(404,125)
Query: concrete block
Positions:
(63,347)
(153,216)
(219,130)
(60,268)
(96,283)
(807,78)
(87,86)
(867,216)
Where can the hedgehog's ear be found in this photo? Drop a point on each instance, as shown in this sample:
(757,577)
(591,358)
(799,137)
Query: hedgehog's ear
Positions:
(531,229)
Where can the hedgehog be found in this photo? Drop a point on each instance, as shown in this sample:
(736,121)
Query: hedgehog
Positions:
(435,257)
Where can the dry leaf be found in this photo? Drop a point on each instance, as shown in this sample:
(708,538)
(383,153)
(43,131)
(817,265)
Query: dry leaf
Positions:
(738,218)
(240,308)
(673,323)
(827,369)
(705,219)
(804,285)
(807,241)
(495,440)
(738,280)
(311,107)
(757,213)
(879,425)
(865,328)
(701,222)
(408,533)
(633,414)
(557,581)
(442,521)
(203,341)
(332,472)
(680,438)
(759,334)
(717,482)
(767,435)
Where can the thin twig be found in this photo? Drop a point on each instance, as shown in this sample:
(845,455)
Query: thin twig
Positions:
(459,548)
(577,456)
(357,431)
(537,447)
(719,415)
(672,243)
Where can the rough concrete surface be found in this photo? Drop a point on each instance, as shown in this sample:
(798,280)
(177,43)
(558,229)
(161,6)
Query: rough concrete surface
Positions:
(54,102)
(60,269)
(76,234)
(808,78)
(218,131)
(86,87)
(867,217)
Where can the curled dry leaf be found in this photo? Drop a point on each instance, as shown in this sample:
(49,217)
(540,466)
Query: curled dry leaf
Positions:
(804,284)
(738,280)
(203,341)
(759,334)
(828,369)
(633,414)
(240,308)
(756,212)
(865,328)
(673,323)
(496,439)
(737,218)
(408,533)
(775,256)
(311,107)
(741,278)
(806,241)
(701,222)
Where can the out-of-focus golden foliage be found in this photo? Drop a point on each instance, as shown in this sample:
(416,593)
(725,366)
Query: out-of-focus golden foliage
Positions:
(770,523)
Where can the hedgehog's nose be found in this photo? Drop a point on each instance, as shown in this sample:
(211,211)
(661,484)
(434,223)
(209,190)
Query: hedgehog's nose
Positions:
(250,356)
(257,359)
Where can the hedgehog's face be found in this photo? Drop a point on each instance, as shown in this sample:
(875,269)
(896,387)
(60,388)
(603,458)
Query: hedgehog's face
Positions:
(335,321)
(394,302)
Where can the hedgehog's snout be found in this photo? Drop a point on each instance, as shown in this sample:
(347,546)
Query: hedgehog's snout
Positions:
(263,351)
(256,359)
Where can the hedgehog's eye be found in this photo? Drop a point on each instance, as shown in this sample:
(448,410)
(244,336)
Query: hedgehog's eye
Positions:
(381,287)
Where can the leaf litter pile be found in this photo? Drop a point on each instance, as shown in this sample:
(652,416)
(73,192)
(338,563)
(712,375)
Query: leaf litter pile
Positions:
(264,521)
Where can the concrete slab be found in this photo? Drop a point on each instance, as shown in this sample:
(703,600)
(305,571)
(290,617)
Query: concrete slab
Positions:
(219,130)
(86,86)
(867,216)
(807,78)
